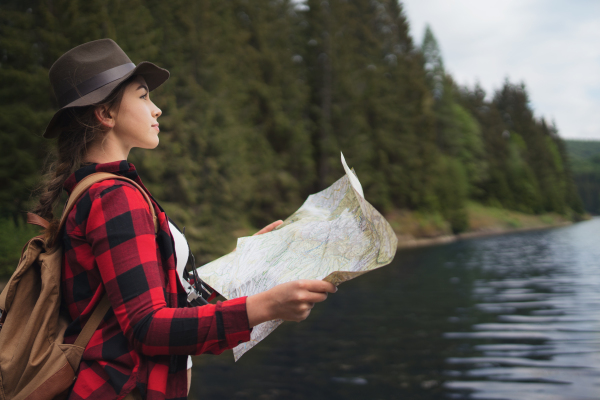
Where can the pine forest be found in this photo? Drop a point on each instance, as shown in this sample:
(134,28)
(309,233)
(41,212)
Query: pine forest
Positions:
(263,96)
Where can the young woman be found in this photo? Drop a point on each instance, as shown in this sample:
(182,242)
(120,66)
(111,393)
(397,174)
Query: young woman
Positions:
(142,347)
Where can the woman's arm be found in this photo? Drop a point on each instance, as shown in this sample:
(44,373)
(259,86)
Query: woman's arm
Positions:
(120,232)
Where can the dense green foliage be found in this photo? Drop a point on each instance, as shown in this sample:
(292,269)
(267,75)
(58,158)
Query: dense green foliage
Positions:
(585,161)
(12,238)
(527,162)
(263,96)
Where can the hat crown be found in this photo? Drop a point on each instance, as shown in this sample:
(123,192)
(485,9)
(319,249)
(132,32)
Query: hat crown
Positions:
(84,62)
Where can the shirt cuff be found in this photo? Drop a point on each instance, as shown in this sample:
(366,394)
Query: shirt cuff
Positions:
(233,318)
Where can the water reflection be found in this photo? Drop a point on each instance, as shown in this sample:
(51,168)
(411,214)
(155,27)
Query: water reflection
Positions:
(542,324)
(509,317)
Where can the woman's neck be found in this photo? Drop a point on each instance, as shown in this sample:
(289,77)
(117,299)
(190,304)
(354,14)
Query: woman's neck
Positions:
(106,150)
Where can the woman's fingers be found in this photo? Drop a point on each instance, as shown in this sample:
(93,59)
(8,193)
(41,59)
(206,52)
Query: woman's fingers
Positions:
(309,292)
(269,227)
(319,286)
(266,229)
(312,297)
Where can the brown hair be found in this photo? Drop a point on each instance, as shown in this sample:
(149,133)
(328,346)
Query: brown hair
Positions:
(80,127)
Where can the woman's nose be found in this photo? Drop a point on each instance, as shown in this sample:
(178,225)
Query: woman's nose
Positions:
(157,112)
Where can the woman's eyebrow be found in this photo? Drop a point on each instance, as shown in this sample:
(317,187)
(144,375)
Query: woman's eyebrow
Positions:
(142,86)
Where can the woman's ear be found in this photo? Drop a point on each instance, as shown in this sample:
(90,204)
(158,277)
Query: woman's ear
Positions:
(104,116)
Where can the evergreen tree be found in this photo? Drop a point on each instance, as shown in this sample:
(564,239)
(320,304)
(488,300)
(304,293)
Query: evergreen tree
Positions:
(434,64)
(367,91)
(537,147)
(458,137)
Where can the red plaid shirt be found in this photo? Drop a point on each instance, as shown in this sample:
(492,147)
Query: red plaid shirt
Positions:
(144,340)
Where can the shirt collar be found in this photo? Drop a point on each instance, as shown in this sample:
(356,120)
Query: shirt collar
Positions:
(116,167)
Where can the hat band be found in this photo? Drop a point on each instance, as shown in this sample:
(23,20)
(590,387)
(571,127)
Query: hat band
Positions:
(94,83)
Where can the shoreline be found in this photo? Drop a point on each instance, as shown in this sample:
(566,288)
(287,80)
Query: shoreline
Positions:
(408,242)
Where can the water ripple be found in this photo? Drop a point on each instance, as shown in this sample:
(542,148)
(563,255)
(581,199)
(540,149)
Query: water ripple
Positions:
(535,331)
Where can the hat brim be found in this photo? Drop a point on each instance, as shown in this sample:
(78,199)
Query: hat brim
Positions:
(154,76)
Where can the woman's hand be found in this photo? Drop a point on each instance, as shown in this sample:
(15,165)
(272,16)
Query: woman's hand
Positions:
(266,229)
(269,227)
(291,301)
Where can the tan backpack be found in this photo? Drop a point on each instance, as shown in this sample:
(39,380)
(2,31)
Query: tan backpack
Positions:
(34,362)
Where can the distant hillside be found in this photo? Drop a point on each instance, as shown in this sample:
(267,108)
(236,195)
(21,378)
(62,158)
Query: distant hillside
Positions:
(582,150)
(585,162)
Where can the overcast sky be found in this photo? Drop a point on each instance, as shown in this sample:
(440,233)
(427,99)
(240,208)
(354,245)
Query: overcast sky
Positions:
(551,45)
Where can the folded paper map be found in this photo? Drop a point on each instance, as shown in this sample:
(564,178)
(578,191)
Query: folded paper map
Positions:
(335,236)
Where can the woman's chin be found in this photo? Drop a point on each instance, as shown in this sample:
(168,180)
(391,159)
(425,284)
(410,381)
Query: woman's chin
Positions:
(151,144)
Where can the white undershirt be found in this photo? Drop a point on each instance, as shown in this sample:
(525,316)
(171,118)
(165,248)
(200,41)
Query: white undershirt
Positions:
(182,252)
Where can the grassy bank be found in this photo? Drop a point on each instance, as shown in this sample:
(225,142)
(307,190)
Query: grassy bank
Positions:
(420,229)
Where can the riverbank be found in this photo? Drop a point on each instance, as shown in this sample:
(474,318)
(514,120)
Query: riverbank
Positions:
(415,229)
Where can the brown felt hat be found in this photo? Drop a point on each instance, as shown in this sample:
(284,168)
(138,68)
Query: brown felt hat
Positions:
(88,73)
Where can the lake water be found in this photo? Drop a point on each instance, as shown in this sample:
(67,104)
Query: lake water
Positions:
(507,317)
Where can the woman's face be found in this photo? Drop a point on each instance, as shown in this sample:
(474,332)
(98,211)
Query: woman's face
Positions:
(136,122)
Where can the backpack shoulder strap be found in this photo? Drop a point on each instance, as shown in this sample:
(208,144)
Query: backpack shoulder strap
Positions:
(92,324)
(96,177)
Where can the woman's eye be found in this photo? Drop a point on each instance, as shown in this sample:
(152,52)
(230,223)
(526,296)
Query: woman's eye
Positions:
(145,96)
